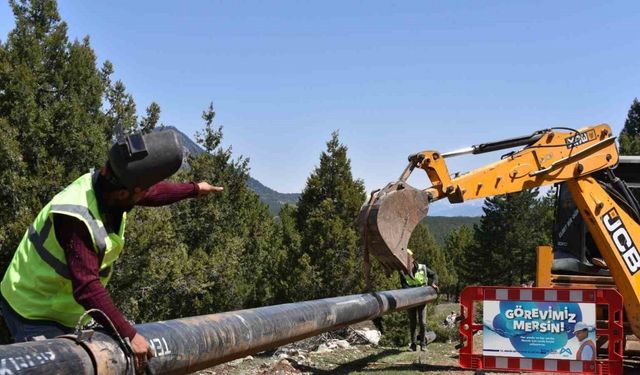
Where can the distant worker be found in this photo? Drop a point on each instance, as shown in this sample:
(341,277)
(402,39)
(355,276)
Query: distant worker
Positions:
(64,261)
(422,275)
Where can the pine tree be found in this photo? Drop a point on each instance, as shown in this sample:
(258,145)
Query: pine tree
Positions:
(512,227)
(229,236)
(630,134)
(154,269)
(326,218)
(52,93)
(426,251)
(457,243)
(15,203)
(50,100)
(295,278)
(53,123)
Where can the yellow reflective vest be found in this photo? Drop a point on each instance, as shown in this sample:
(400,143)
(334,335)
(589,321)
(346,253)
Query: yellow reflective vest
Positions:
(419,277)
(37,284)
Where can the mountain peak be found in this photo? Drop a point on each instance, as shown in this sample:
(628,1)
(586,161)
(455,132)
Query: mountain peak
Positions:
(274,199)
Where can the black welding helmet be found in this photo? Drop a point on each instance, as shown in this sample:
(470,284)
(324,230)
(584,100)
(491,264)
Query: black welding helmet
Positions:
(141,161)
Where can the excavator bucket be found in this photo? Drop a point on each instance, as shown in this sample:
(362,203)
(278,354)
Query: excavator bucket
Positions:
(386,221)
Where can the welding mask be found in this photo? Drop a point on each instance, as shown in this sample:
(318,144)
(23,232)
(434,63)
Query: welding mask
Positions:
(143,160)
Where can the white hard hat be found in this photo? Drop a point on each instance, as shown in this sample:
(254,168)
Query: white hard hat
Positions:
(581,326)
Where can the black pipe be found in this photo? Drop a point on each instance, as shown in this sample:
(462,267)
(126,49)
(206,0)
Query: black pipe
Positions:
(190,344)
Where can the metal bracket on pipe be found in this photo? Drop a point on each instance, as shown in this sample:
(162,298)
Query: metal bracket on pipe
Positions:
(84,335)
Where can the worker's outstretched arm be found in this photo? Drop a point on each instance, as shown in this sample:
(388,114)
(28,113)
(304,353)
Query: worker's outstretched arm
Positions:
(165,192)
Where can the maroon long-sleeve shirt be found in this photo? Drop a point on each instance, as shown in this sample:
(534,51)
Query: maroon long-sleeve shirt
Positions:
(83,263)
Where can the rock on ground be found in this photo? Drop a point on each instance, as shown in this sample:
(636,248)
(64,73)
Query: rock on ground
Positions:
(371,335)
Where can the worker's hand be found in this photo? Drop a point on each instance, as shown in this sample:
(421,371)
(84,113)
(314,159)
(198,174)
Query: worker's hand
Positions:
(204,188)
(142,352)
(435,286)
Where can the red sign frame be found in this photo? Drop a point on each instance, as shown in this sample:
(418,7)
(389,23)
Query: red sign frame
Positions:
(613,330)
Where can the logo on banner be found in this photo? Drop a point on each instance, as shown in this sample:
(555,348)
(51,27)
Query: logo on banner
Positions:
(565,351)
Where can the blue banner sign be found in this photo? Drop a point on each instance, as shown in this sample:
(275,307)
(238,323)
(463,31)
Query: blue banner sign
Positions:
(553,330)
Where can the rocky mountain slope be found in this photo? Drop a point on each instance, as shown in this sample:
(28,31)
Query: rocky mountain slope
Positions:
(274,199)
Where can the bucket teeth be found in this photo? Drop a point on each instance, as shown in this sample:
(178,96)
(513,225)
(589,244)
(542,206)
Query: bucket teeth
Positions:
(386,221)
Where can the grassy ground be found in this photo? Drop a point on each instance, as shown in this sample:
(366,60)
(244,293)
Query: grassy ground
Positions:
(438,359)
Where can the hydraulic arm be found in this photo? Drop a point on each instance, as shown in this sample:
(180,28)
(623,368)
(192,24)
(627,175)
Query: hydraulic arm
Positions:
(549,156)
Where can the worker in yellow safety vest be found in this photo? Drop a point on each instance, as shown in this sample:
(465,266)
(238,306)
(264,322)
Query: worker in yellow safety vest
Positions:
(66,257)
(422,276)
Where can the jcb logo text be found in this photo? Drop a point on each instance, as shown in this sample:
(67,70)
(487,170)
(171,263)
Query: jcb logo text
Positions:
(622,240)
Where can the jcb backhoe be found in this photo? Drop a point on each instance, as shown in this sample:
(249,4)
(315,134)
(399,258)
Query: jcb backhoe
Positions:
(581,161)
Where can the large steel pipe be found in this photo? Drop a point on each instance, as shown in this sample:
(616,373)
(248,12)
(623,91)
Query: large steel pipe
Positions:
(190,344)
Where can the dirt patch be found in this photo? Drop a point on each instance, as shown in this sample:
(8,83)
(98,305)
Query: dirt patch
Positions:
(438,359)
(282,367)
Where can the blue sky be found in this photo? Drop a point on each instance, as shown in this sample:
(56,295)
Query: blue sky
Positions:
(393,77)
